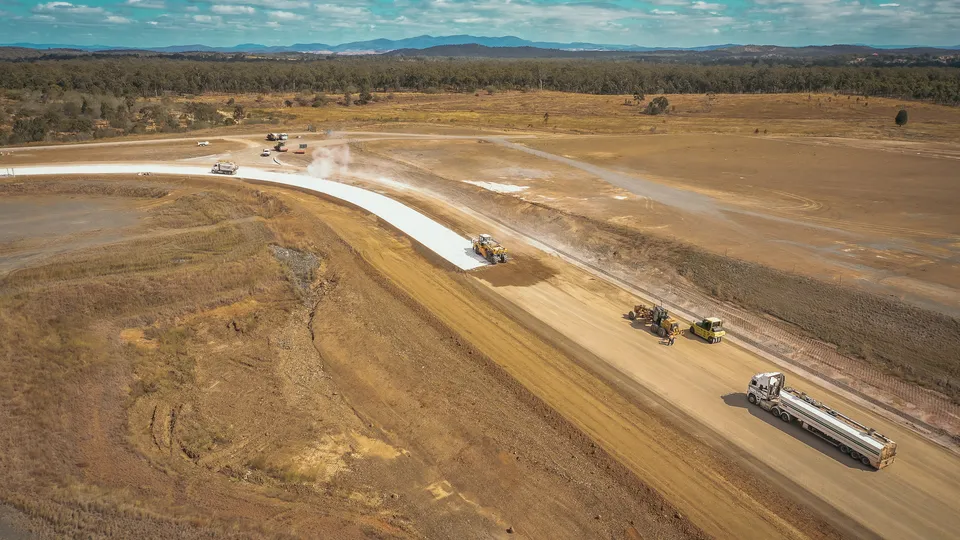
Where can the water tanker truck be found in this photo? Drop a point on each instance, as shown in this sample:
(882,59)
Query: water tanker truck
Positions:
(769,392)
(225,167)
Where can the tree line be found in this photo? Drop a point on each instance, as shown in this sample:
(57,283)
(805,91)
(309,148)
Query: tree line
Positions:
(151,77)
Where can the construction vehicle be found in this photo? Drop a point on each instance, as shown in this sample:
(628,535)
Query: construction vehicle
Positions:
(273,137)
(280,146)
(225,167)
(639,312)
(662,324)
(203,143)
(488,248)
(710,329)
(769,392)
(282,137)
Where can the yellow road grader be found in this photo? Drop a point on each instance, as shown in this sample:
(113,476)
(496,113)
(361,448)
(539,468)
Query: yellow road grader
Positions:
(661,323)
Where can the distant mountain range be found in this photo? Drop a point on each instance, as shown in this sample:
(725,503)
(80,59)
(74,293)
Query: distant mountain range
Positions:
(453,46)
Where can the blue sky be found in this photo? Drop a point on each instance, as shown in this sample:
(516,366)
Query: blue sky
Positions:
(147,23)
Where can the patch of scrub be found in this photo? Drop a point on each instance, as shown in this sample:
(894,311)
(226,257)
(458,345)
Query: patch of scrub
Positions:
(499,188)
(135,336)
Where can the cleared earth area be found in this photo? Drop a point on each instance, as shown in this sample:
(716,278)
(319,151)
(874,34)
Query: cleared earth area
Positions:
(217,356)
(232,366)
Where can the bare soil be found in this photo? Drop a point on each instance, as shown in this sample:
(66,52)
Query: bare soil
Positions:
(244,373)
(900,339)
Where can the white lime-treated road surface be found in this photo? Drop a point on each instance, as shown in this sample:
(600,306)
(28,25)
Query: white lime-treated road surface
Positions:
(432,235)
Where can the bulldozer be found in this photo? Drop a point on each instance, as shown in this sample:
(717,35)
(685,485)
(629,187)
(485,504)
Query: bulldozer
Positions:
(488,248)
(662,323)
(710,329)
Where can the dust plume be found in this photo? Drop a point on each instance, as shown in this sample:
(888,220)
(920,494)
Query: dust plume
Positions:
(330,160)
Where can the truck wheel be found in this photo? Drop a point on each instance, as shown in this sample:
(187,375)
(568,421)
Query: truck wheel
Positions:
(866,461)
(752,399)
(845,449)
(632,316)
(691,328)
(711,340)
(662,332)
(503,258)
(775,411)
(785,416)
(476,250)
(855,455)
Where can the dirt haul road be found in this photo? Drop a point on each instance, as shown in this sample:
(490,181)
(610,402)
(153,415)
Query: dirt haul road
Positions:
(917,497)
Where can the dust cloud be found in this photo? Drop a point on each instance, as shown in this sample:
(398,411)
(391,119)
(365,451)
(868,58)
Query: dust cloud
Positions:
(330,160)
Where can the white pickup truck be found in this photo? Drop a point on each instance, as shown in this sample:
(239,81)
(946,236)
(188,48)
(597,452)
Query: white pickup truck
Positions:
(203,143)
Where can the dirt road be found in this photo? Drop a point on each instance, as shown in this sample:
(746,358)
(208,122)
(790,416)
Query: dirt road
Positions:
(918,497)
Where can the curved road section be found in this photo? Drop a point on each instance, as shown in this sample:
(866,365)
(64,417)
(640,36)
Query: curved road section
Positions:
(432,235)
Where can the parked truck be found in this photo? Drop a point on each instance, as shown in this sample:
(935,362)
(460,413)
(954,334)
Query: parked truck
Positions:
(769,392)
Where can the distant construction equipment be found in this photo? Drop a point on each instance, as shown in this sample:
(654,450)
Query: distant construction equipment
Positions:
(488,248)
(225,167)
(661,323)
(665,326)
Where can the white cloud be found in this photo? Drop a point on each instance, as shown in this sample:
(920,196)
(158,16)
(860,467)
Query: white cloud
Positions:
(283,15)
(269,4)
(662,12)
(233,10)
(705,6)
(334,10)
(53,5)
(44,18)
(203,18)
(116,19)
(192,9)
(67,7)
(889,5)
(152,23)
(146,4)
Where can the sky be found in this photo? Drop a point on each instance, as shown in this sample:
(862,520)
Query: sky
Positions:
(653,23)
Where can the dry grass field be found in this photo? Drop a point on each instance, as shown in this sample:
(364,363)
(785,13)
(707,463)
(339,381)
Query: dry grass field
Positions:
(824,115)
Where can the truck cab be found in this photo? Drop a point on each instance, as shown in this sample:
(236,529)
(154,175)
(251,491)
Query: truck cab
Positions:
(764,389)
